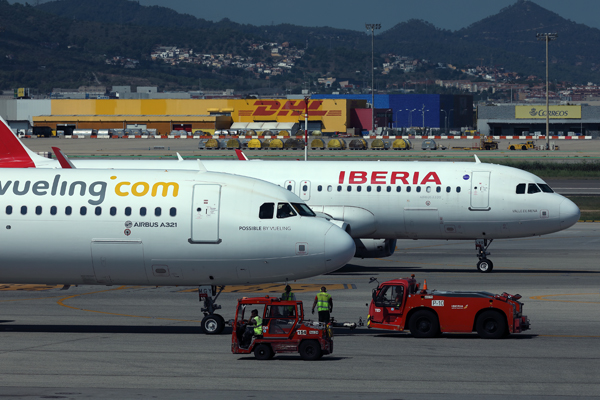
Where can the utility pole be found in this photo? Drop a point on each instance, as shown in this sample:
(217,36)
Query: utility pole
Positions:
(372,28)
(547,37)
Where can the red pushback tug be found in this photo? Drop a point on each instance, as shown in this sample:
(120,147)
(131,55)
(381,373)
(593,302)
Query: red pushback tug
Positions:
(400,303)
(284,330)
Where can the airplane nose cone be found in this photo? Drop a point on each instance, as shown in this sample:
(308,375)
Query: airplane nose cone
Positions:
(569,213)
(339,248)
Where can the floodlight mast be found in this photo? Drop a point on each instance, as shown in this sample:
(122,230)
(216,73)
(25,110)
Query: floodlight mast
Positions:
(547,37)
(372,28)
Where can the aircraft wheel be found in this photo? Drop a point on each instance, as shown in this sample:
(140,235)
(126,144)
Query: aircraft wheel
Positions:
(310,350)
(424,324)
(491,325)
(263,352)
(213,324)
(485,265)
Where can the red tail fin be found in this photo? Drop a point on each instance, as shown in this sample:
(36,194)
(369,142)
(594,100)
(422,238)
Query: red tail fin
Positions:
(12,152)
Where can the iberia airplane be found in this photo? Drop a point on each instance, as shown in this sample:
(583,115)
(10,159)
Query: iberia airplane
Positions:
(128,227)
(381,202)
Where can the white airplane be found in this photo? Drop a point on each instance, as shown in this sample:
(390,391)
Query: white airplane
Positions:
(129,227)
(384,201)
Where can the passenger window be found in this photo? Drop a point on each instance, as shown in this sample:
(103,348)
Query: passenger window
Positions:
(438,189)
(173,212)
(418,189)
(23,210)
(266,211)
(458,189)
(98,211)
(319,188)
(521,188)
(157,211)
(349,188)
(284,210)
(358,188)
(38,210)
(379,188)
(127,211)
(389,189)
(143,211)
(398,189)
(448,189)
(533,188)
(304,188)
(428,189)
(68,210)
(8,210)
(329,188)
(53,210)
(368,188)
(113,211)
(408,189)
(289,187)
(83,210)
(339,188)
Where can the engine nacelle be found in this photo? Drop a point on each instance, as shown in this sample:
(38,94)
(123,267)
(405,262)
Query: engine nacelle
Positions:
(374,248)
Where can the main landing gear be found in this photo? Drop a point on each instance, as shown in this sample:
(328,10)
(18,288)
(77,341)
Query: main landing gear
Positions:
(484,265)
(212,323)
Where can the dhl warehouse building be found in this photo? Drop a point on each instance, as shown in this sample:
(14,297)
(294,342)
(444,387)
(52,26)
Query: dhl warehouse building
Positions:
(191,115)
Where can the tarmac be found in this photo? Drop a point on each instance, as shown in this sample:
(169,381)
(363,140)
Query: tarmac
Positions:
(145,342)
(92,342)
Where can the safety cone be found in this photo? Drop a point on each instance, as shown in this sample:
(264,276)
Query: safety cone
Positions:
(425,285)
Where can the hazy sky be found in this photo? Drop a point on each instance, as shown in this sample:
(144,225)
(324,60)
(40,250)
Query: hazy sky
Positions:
(353,14)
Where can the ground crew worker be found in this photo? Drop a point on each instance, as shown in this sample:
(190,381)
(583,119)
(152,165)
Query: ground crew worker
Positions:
(254,327)
(324,305)
(288,295)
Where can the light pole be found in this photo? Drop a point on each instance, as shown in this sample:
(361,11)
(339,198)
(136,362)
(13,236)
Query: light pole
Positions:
(446,119)
(372,28)
(547,37)
(423,113)
(397,118)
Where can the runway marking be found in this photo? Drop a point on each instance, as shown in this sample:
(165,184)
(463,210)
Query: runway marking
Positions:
(60,302)
(28,288)
(544,298)
(278,288)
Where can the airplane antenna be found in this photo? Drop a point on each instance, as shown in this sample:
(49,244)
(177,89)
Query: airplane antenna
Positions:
(201,167)
(477,160)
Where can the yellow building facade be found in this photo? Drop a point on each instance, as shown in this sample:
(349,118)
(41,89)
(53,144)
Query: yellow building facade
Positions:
(207,115)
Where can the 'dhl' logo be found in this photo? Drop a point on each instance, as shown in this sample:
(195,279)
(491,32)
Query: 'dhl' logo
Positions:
(267,108)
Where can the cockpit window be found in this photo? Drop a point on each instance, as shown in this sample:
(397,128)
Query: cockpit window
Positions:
(266,211)
(545,188)
(285,210)
(533,188)
(303,210)
(521,188)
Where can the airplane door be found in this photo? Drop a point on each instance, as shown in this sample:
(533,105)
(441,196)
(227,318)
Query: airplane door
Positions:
(290,185)
(119,261)
(422,223)
(305,190)
(205,214)
(480,191)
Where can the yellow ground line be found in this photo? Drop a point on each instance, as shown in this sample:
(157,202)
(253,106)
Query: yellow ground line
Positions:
(543,298)
(61,303)
(277,288)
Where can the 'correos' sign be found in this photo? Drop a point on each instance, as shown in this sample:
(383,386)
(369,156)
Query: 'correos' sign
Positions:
(539,112)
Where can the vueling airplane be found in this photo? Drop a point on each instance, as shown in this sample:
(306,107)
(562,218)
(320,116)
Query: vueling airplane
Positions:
(381,202)
(128,227)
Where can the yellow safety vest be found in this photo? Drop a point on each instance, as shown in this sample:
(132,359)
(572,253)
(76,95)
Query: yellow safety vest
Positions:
(286,297)
(258,326)
(323,301)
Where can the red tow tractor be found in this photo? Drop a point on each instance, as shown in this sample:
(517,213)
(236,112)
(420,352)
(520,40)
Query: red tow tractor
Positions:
(283,330)
(400,303)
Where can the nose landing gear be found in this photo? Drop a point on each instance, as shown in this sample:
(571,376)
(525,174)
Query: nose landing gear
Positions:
(484,265)
(212,323)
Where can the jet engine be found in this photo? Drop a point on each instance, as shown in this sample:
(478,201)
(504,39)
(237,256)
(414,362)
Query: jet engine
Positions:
(374,248)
